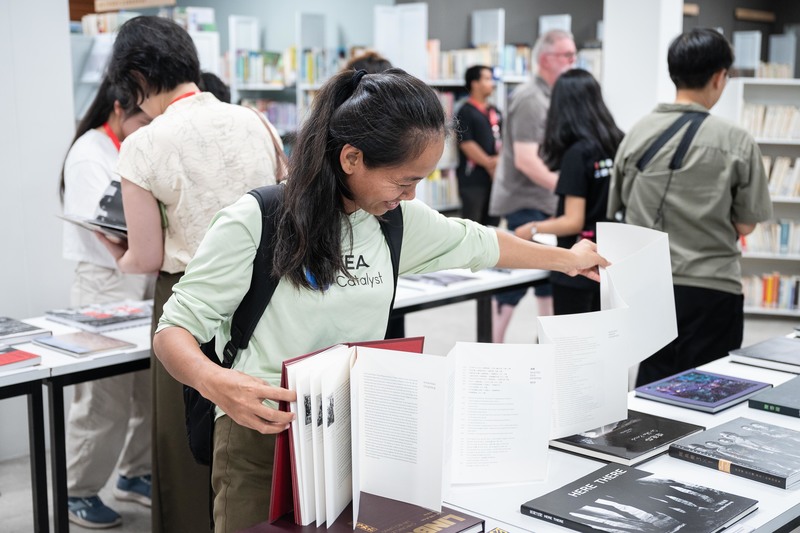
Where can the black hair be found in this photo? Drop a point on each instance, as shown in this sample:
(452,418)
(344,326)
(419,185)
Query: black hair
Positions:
(99,110)
(210,82)
(696,55)
(391,117)
(474,73)
(152,55)
(577,112)
(370,61)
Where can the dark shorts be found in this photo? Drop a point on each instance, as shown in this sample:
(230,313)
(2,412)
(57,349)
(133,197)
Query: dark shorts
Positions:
(514,220)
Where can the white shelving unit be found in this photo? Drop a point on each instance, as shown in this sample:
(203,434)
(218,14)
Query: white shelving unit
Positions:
(738,93)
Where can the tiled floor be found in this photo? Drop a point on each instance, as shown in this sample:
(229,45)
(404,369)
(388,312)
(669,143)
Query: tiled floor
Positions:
(442,328)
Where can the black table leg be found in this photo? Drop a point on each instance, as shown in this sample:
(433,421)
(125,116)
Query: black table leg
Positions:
(484,313)
(41,520)
(58,455)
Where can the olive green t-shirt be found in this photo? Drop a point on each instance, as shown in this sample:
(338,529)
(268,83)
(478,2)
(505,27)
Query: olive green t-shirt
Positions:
(721,182)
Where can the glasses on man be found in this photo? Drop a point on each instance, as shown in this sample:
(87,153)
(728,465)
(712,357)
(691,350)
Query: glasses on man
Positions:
(565,55)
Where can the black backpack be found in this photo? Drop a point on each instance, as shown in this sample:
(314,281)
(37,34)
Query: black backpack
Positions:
(200,411)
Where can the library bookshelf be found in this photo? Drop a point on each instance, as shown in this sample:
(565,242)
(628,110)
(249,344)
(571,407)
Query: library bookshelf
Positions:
(770,110)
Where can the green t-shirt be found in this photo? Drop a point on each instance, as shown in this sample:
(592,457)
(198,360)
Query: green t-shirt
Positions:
(721,182)
(299,321)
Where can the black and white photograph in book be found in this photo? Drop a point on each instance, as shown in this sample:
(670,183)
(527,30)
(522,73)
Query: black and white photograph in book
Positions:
(109,210)
(619,498)
(748,448)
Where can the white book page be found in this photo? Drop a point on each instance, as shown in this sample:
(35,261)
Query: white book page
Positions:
(501,418)
(401,420)
(640,275)
(317,417)
(303,489)
(298,375)
(335,387)
(591,381)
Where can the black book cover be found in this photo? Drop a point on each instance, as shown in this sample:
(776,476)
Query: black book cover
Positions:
(780,353)
(783,399)
(623,498)
(747,448)
(630,441)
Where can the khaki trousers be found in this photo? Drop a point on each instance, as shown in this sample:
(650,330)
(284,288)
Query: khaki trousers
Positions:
(181,487)
(109,419)
(241,476)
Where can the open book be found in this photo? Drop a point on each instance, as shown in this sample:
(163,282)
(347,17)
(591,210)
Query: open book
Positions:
(405,426)
(109,217)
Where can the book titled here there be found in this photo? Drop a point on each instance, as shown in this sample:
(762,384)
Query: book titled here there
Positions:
(623,498)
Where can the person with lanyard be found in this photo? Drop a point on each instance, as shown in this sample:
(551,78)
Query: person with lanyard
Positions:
(479,144)
(366,143)
(196,157)
(103,411)
(580,142)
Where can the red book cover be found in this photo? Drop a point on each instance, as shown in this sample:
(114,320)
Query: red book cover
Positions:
(11,358)
(284,476)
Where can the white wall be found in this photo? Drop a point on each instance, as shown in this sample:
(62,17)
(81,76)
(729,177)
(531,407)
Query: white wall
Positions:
(35,130)
(636,37)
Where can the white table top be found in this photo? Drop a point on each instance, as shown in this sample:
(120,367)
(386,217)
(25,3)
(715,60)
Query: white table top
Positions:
(55,363)
(500,504)
(411,293)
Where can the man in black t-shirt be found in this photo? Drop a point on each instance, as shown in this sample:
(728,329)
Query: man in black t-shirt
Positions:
(479,125)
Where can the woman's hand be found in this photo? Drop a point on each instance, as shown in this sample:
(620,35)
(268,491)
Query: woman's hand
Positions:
(587,260)
(524,231)
(240,397)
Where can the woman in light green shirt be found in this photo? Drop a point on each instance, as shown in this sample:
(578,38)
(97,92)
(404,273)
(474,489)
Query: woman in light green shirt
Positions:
(368,141)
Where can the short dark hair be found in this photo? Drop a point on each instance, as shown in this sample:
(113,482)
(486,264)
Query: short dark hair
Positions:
(152,55)
(391,117)
(210,82)
(473,73)
(370,61)
(577,113)
(695,55)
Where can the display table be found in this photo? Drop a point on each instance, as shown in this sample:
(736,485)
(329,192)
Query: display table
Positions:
(778,509)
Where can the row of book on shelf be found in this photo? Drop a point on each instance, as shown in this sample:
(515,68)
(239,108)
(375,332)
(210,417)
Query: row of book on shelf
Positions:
(784,178)
(771,121)
(772,291)
(91,320)
(360,404)
(774,237)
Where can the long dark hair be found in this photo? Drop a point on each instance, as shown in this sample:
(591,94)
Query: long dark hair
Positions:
(577,112)
(391,117)
(100,109)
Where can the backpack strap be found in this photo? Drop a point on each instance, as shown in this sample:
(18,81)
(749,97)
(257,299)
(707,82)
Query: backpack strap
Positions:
(392,228)
(262,283)
(696,118)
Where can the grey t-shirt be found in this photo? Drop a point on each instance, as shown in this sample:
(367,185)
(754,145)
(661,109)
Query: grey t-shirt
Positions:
(721,182)
(524,122)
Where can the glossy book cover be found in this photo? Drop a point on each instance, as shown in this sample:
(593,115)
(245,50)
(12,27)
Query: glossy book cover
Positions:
(701,390)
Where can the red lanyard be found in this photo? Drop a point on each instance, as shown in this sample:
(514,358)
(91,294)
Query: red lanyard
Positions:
(181,97)
(112,136)
(489,112)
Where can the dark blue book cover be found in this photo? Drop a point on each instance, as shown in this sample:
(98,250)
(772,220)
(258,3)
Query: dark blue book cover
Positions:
(701,390)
